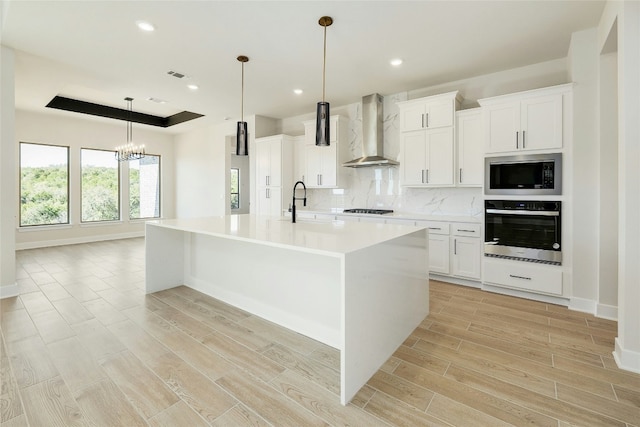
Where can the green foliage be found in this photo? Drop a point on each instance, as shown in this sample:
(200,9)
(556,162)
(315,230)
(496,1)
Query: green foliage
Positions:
(134,193)
(44,195)
(100,194)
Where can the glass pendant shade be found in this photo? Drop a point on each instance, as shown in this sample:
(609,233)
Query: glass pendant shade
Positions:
(322,125)
(242,148)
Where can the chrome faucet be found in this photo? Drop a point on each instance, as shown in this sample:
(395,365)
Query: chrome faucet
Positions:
(304,200)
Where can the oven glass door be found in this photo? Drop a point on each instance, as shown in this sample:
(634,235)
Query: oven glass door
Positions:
(523,229)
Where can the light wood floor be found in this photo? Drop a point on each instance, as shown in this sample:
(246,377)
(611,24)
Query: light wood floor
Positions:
(83,345)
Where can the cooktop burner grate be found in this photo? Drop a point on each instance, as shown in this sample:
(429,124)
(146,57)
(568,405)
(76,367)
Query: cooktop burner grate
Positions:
(369,211)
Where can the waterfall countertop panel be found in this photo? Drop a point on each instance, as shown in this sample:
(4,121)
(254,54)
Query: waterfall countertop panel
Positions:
(318,236)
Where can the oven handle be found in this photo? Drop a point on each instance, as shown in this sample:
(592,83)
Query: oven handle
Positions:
(518,212)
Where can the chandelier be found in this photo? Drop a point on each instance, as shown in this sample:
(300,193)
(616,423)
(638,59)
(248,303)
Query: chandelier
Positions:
(129,151)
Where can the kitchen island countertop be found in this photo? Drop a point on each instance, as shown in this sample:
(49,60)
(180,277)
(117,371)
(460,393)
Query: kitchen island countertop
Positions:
(326,237)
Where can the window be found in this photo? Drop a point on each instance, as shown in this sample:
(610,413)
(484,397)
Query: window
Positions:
(100,185)
(44,184)
(144,187)
(235,188)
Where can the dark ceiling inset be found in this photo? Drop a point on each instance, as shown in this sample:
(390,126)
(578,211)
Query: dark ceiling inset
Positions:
(68,104)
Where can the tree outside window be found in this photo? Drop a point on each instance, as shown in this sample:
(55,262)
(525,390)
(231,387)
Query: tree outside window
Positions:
(235,188)
(100,185)
(44,184)
(144,187)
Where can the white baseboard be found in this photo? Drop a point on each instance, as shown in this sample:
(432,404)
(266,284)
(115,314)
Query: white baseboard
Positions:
(527,295)
(607,311)
(626,359)
(77,240)
(455,280)
(582,304)
(8,291)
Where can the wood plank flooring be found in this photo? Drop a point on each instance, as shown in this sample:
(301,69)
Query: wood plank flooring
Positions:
(83,345)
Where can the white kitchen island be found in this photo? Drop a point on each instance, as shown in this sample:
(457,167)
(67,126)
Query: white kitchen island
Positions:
(359,287)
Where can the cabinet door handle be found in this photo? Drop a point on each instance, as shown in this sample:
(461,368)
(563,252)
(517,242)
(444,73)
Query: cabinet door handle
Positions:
(455,246)
(422,177)
(427,119)
(523,145)
(460,175)
(267,194)
(519,277)
(517,145)
(422,117)
(427,174)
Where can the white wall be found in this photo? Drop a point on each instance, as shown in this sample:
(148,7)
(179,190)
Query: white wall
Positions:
(608,206)
(8,182)
(627,17)
(583,71)
(76,133)
(202,170)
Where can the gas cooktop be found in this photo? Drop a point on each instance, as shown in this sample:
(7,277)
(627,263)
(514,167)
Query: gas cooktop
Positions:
(369,211)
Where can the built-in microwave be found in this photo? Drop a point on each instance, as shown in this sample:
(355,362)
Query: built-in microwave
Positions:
(529,174)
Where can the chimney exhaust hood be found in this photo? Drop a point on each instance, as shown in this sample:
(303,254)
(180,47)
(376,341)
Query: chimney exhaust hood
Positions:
(372,135)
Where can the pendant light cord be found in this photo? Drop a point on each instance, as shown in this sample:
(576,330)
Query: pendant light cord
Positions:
(324,61)
(129,124)
(242,96)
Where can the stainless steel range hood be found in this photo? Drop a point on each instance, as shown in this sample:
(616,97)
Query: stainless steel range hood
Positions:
(372,135)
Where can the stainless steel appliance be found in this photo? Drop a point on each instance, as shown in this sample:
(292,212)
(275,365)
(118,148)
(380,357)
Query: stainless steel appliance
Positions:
(529,174)
(368,211)
(523,230)
(372,135)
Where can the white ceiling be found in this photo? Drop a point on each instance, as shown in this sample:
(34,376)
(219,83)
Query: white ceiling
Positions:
(93,51)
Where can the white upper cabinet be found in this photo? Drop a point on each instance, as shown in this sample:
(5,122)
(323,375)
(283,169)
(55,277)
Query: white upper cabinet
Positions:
(428,113)
(427,140)
(470,144)
(269,161)
(322,165)
(524,121)
(274,173)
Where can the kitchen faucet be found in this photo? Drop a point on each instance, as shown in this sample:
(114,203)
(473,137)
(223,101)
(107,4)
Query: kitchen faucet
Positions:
(304,200)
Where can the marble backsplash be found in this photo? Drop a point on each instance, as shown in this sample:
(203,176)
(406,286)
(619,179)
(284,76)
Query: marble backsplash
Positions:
(379,187)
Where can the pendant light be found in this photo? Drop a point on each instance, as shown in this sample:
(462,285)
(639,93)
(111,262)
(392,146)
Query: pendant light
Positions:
(242,145)
(129,151)
(322,114)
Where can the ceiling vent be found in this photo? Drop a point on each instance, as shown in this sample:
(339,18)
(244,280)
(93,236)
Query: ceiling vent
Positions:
(176,74)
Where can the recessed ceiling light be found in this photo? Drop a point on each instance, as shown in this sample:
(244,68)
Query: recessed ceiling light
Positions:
(297,91)
(145,26)
(192,87)
(396,62)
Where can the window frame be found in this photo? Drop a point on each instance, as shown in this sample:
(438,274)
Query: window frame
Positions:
(159,190)
(232,193)
(118,198)
(68,222)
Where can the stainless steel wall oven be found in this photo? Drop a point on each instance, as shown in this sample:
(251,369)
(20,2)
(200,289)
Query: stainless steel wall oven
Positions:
(523,230)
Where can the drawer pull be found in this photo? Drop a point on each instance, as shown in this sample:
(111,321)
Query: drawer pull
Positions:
(466,231)
(519,277)
(435,228)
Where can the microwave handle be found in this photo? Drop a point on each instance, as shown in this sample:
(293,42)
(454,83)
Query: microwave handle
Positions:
(519,212)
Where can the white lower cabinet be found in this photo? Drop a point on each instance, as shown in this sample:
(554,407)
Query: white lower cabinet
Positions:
(538,278)
(454,248)
(466,257)
(439,253)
